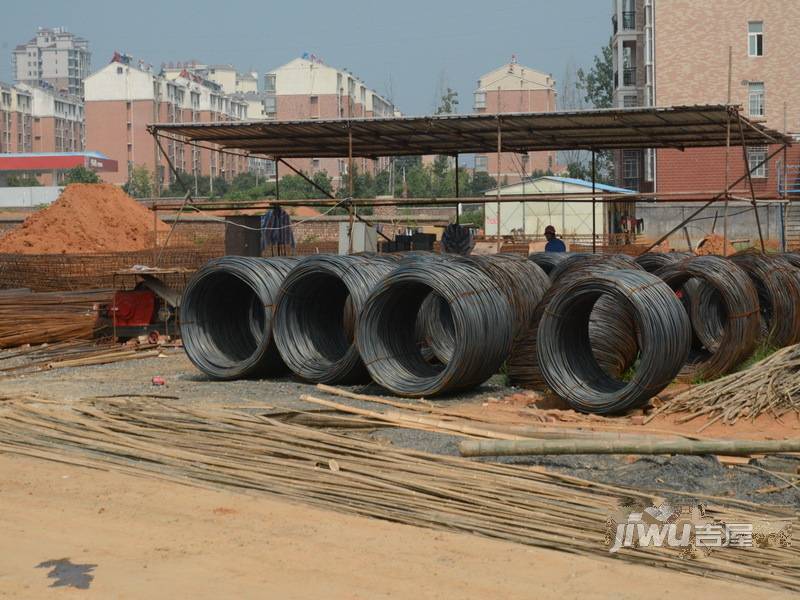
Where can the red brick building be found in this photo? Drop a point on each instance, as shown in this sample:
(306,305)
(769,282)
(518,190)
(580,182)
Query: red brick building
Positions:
(121,99)
(515,88)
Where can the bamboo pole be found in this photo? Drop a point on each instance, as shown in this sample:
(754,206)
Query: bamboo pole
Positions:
(646,446)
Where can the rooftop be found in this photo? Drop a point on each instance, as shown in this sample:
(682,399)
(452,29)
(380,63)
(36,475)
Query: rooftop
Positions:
(668,127)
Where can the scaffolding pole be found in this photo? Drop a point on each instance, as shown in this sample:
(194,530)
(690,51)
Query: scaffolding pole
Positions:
(594,204)
(497,186)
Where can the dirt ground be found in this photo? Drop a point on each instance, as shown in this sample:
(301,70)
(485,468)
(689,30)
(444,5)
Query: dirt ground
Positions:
(151,538)
(143,538)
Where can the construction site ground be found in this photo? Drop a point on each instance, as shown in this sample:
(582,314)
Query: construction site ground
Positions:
(148,536)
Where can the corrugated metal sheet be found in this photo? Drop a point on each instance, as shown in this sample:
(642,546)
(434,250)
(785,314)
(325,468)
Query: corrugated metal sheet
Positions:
(672,127)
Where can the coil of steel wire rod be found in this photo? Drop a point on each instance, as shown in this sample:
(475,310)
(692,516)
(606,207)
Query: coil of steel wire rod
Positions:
(582,259)
(226,316)
(547,260)
(521,281)
(482,328)
(311,325)
(777,283)
(653,261)
(724,308)
(565,353)
(612,331)
(793,258)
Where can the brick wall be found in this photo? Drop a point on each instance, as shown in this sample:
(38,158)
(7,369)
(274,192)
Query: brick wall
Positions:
(703,169)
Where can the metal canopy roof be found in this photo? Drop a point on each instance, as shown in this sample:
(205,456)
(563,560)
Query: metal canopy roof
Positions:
(670,127)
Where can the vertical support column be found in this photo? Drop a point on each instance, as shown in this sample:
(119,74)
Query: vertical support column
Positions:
(594,205)
(350,187)
(277,180)
(499,150)
(458,204)
(727,158)
(750,183)
(784,193)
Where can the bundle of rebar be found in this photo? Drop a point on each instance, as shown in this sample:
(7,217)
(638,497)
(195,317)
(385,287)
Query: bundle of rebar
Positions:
(34,318)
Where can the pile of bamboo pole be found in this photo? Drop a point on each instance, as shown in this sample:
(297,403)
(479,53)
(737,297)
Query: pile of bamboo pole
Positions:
(770,386)
(345,473)
(34,318)
(77,353)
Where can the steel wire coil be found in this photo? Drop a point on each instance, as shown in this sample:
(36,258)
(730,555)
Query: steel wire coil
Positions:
(793,258)
(311,328)
(226,316)
(584,259)
(547,260)
(565,351)
(777,284)
(521,281)
(612,331)
(653,261)
(724,309)
(482,328)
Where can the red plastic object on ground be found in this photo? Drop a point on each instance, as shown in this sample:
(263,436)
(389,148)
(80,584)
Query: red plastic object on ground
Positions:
(157,380)
(134,309)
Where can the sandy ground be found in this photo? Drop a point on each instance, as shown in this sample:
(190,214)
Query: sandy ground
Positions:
(140,538)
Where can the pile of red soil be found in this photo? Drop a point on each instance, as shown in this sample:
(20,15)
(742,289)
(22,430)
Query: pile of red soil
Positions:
(714,244)
(86,218)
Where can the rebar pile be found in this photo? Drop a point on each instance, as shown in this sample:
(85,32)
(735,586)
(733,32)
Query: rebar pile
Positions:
(34,318)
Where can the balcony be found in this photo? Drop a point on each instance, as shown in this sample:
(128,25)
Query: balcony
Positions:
(629,20)
(629,76)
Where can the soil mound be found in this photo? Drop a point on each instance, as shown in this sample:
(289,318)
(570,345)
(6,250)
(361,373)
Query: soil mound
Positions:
(86,218)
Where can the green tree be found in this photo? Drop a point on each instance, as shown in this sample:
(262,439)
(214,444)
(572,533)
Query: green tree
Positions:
(448,103)
(81,174)
(140,183)
(481,182)
(22,181)
(597,83)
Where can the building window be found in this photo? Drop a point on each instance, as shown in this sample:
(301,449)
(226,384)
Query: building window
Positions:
(269,82)
(755,94)
(480,100)
(630,169)
(482,164)
(756,161)
(315,164)
(630,101)
(314,100)
(755,38)
(119,70)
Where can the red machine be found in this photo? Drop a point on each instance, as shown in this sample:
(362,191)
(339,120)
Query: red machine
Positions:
(150,308)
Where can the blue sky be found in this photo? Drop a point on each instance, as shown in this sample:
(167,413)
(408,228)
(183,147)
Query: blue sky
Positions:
(407,49)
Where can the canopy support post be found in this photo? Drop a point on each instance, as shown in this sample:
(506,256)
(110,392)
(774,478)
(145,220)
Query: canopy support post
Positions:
(458,204)
(497,186)
(594,204)
(750,184)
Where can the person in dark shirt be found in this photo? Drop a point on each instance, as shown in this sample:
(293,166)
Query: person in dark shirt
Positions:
(553,243)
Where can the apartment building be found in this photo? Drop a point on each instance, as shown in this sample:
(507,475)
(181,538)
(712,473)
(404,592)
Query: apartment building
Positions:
(16,120)
(53,58)
(509,89)
(675,52)
(123,97)
(58,121)
(307,88)
(231,80)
